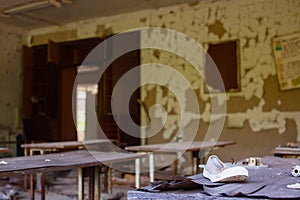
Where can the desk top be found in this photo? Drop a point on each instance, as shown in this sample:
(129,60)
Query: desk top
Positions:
(286,151)
(62,161)
(263,183)
(64,144)
(3,150)
(179,146)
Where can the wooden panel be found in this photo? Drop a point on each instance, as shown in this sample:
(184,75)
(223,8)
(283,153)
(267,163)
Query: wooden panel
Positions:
(53,52)
(110,128)
(28,55)
(113,73)
(40,82)
(67,125)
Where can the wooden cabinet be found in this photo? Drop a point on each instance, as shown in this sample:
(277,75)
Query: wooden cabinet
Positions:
(49,74)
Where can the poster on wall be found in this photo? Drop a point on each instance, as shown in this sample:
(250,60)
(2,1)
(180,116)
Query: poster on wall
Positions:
(287,59)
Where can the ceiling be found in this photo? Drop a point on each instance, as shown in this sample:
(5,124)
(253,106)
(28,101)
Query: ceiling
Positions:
(71,11)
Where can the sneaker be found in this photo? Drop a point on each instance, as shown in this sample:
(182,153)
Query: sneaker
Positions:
(216,171)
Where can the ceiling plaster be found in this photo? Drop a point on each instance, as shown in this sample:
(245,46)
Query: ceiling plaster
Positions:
(77,11)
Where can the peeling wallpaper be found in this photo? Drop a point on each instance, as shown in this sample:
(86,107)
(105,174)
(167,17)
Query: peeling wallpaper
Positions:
(253,23)
(10,83)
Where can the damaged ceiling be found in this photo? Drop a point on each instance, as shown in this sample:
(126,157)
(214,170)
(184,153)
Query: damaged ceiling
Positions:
(32,14)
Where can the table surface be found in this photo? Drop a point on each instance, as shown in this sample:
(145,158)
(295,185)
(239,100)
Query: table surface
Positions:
(286,151)
(3,150)
(64,144)
(62,161)
(273,181)
(179,146)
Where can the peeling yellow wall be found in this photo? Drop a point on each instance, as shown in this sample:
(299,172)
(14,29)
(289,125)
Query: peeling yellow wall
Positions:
(253,24)
(260,111)
(10,85)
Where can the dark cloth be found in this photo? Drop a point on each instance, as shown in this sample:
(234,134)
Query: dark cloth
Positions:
(178,182)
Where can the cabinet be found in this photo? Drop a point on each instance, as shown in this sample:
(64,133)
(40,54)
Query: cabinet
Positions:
(49,74)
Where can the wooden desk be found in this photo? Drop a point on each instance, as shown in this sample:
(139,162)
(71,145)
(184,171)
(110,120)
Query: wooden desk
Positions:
(79,159)
(197,148)
(46,147)
(4,150)
(286,152)
(62,145)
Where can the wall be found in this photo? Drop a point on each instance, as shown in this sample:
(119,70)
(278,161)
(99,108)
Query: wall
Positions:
(10,85)
(259,117)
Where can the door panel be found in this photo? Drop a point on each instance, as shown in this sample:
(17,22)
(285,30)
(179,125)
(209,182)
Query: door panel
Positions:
(67,124)
(28,56)
(107,83)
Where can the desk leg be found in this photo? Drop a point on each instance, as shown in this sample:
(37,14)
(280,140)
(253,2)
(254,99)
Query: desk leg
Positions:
(91,172)
(202,156)
(25,176)
(200,159)
(151,167)
(196,161)
(195,165)
(97,185)
(42,176)
(40,179)
(32,186)
(175,165)
(137,173)
(80,184)
(109,180)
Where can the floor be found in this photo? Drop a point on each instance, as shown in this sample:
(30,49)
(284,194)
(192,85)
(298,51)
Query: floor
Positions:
(63,186)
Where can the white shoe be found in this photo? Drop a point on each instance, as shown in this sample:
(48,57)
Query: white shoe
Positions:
(216,171)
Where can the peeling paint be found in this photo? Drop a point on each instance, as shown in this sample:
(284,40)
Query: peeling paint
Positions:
(56,37)
(217,28)
(10,80)
(253,23)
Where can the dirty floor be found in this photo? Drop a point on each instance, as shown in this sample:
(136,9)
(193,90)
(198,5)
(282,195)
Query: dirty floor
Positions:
(63,186)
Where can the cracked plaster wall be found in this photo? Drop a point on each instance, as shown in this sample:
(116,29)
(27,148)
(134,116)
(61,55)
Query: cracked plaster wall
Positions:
(259,106)
(254,24)
(10,84)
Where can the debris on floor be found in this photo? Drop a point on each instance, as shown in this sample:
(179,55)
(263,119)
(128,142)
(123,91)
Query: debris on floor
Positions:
(8,192)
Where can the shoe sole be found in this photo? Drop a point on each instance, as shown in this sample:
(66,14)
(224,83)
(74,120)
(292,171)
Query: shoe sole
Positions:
(238,178)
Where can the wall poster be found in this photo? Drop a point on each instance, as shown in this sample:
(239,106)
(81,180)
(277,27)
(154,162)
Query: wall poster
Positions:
(287,59)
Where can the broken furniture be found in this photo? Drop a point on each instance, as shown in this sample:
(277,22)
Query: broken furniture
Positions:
(80,159)
(197,148)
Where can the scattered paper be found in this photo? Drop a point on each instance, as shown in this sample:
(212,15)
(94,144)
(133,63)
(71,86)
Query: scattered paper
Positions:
(3,162)
(294,186)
